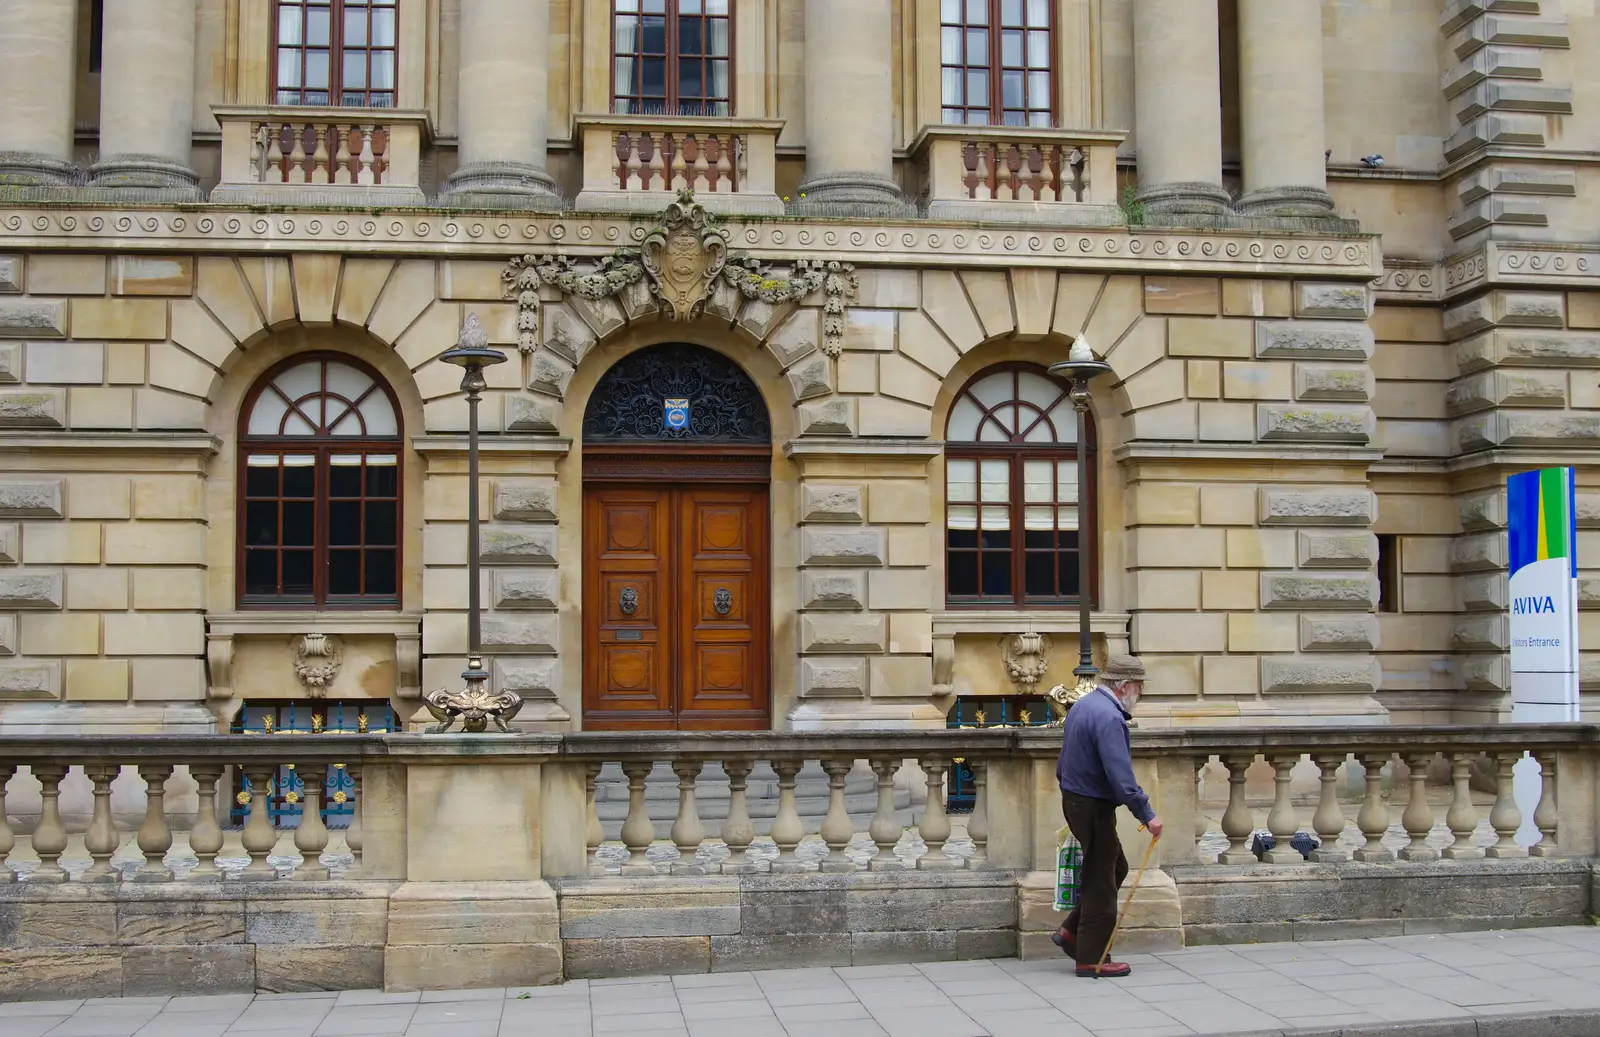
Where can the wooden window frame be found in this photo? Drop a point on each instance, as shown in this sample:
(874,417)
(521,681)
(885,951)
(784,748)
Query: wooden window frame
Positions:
(322,447)
(996,69)
(672,104)
(1015,453)
(336,48)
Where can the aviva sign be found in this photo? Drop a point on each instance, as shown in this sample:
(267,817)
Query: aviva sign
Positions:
(1542,516)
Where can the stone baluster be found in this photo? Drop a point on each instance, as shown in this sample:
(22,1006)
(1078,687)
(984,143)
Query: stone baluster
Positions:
(934,824)
(702,165)
(637,831)
(1545,815)
(886,828)
(205,838)
(353,834)
(984,173)
(737,831)
(1373,818)
(687,832)
(1237,822)
(656,177)
(1281,818)
(1418,815)
(259,837)
(311,835)
(1505,817)
(37,80)
(1462,817)
(1178,106)
(368,159)
(147,101)
(319,156)
(787,829)
(1202,824)
(8,838)
(836,827)
(101,837)
(274,171)
(1329,818)
(724,178)
(978,823)
(593,834)
(632,177)
(297,155)
(49,836)
(342,156)
(676,146)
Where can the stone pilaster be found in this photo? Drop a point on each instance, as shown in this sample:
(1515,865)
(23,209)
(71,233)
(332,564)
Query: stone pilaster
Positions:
(503,87)
(1178,106)
(849,110)
(1280,83)
(36,83)
(147,101)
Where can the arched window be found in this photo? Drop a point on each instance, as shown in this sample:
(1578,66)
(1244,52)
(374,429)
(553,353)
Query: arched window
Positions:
(319,457)
(1014,508)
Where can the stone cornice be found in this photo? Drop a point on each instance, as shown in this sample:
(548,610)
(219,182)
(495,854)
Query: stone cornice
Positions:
(824,448)
(493,443)
(123,442)
(1245,453)
(433,232)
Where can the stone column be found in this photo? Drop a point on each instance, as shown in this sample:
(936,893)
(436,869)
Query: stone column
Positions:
(504,81)
(147,100)
(849,109)
(1280,86)
(36,85)
(1178,106)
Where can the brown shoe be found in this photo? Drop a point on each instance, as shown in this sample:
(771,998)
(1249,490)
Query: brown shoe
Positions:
(1110,970)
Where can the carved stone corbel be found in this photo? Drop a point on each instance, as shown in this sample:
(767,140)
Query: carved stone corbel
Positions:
(219,666)
(1026,656)
(944,664)
(408,664)
(316,662)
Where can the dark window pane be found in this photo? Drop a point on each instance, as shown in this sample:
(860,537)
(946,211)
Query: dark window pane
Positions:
(1039,540)
(654,80)
(689,78)
(261,572)
(299,481)
(1011,89)
(261,523)
(380,573)
(344,480)
(961,572)
(344,522)
(996,575)
(344,572)
(381,480)
(997,539)
(381,525)
(654,37)
(1041,573)
(690,32)
(299,524)
(1067,564)
(260,481)
(297,572)
(963,538)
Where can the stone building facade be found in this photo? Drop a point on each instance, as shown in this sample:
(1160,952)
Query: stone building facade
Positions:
(1338,255)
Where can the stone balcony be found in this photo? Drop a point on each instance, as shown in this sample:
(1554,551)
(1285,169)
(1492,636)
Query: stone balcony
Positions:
(638,163)
(1019,174)
(321,156)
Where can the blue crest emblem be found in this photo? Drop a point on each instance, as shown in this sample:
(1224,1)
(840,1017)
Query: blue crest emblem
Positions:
(677,413)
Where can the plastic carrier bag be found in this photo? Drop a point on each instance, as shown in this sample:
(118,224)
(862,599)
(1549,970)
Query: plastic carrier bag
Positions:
(1069,864)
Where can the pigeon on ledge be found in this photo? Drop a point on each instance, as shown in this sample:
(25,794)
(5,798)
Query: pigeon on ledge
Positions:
(1372,161)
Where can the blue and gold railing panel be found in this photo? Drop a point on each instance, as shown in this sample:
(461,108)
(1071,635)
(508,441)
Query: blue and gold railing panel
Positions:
(287,796)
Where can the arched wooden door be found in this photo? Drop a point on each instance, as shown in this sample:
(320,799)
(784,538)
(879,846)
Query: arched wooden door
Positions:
(677,458)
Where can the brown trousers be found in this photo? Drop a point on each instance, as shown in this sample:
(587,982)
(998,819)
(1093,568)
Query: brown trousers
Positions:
(1094,825)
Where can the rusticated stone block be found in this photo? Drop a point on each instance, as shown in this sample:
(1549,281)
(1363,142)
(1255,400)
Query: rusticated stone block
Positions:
(1354,675)
(1524,429)
(8,635)
(1478,553)
(822,503)
(1356,632)
(1481,633)
(532,678)
(852,634)
(10,275)
(10,541)
(759,317)
(168,922)
(1300,590)
(30,589)
(835,417)
(795,338)
(32,318)
(517,545)
(1506,389)
(1529,349)
(530,414)
(1334,382)
(833,678)
(709,911)
(826,589)
(527,589)
(1286,507)
(1308,340)
(1337,550)
(291,969)
(644,956)
(1486,672)
(527,633)
(10,363)
(525,500)
(549,373)
(30,679)
(564,333)
(823,546)
(34,499)
(1588,595)
(1335,301)
(811,377)
(33,408)
(1303,423)
(1485,592)
(1488,511)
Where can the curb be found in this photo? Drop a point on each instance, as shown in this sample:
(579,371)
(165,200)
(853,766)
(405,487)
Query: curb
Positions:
(1584,1022)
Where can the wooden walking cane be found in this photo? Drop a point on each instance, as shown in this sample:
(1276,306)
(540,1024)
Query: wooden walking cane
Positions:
(1106,954)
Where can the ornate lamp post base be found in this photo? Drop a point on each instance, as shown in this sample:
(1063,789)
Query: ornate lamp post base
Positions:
(475,706)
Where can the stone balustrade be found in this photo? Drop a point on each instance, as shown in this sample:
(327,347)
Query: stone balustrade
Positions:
(1019,174)
(638,163)
(339,156)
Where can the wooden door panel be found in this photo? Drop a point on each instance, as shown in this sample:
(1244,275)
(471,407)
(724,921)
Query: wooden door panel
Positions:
(723,536)
(627,679)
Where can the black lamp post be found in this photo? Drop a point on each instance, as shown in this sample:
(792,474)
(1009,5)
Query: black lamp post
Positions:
(474,706)
(1079,369)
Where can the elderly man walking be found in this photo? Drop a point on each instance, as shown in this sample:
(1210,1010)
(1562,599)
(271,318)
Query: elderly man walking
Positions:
(1095,772)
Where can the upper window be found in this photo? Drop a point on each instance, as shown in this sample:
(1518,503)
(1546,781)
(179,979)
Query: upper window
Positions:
(672,57)
(996,62)
(336,52)
(319,452)
(1014,508)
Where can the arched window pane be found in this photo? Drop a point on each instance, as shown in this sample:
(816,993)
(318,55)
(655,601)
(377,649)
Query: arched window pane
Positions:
(267,416)
(378,413)
(301,381)
(1037,390)
(964,418)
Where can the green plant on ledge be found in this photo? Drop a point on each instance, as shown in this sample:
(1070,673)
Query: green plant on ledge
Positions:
(1132,209)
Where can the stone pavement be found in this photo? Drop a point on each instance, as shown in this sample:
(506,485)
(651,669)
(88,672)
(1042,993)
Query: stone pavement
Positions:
(1529,982)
